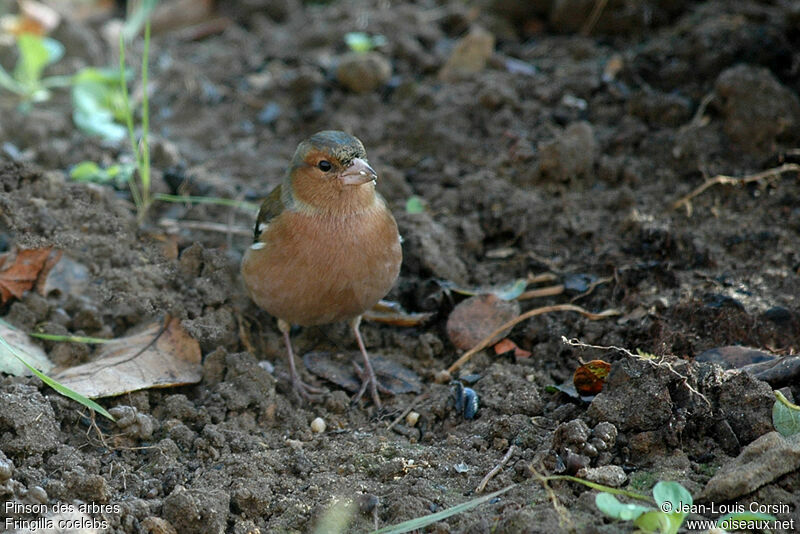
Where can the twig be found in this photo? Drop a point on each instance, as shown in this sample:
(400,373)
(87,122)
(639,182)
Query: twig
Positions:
(206,226)
(697,119)
(540,278)
(594,16)
(659,364)
(548,291)
(733,180)
(410,407)
(496,469)
(592,287)
(485,342)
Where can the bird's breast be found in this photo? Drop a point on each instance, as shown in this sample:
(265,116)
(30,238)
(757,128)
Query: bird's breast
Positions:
(316,269)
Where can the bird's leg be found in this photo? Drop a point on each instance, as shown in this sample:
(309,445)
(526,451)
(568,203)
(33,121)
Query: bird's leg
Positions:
(306,391)
(368,378)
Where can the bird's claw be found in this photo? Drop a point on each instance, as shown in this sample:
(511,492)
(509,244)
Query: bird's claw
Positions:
(369,382)
(305,391)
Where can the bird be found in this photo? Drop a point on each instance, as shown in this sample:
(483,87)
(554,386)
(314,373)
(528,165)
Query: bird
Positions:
(326,247)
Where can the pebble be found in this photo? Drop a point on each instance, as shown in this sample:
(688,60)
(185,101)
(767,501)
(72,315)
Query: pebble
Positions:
(607,475)
(469,55)
(6,468)
(318,425)
(762,461)
(362,72)
(412,418)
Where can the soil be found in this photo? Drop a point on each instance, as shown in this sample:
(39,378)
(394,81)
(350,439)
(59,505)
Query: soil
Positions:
(562,152)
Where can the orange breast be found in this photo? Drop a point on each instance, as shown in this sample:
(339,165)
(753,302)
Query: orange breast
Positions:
(323,268)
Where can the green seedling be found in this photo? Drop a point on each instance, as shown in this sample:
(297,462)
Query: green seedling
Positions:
(35,53)
(98,105)
(673,504)
(362,42)
(785,416)
(117,175)
(141,151)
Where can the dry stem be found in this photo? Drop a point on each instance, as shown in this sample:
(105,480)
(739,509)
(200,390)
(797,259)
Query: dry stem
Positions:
(496,469)
(732,180)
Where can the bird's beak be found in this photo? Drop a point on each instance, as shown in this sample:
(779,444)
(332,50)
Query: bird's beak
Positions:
(358,173)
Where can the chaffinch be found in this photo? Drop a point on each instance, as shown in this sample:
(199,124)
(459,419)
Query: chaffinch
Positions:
(326,247)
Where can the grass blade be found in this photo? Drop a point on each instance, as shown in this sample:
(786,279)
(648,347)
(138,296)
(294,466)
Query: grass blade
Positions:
(424,521)
(65,391)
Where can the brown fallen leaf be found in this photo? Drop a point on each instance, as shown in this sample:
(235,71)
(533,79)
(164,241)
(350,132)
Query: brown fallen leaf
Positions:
(392,313)
(590,377)
(475,318)
(22,269)
(25,346)
(338,368)
(506,345)
(162,355)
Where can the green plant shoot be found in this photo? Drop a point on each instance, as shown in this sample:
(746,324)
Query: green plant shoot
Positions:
(35,53)
(141,193)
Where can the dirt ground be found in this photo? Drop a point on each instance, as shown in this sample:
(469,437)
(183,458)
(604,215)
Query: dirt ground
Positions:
(562,153)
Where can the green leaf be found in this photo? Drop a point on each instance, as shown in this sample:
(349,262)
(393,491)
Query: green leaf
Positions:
(673,498)
(673,493)
(785,416)
(722,522)
(612,507)
(512,290)
(91,111)
(654,521)
(358,41)
(414,205)
(85,171)
(35,53)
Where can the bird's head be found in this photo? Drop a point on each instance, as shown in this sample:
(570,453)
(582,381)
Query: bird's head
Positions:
(330,172)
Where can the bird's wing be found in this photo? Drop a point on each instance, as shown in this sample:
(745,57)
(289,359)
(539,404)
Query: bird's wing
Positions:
(270,208)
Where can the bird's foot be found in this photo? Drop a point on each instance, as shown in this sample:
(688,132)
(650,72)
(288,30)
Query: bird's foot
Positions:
(303,390)
(369,382)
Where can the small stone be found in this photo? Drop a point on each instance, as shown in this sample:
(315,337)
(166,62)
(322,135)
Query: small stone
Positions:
(6,467)
(318,425)
(762,461)
(759,111)
(607,475)
(38,494)
(362,72)
(412,418)
(571,155)
(469,55)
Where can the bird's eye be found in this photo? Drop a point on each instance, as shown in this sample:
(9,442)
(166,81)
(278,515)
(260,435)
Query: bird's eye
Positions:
(324,165)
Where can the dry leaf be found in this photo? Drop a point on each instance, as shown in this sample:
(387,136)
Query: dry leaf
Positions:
(21,269)
(392,313)
(338,368)
(23,344)
(506,345)
(477,317)
(157,357)
(590,378)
